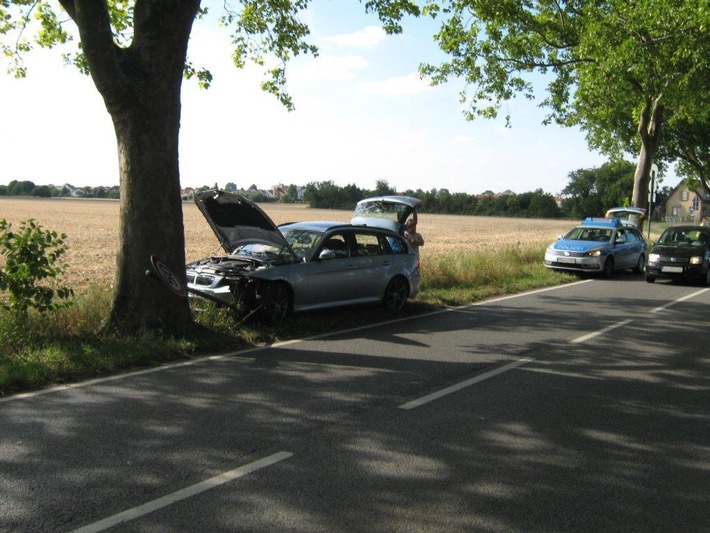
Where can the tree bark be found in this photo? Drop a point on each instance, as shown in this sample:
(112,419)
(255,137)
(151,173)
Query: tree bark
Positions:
(141,86)
(649,131)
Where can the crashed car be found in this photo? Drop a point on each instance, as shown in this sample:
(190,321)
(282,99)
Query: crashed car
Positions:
(682,253)
(272,271)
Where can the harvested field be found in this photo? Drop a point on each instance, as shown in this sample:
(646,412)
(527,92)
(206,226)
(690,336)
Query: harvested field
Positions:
(92,231)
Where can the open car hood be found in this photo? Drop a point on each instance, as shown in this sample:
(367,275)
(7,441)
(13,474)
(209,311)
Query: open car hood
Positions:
(388,212)
(236,220)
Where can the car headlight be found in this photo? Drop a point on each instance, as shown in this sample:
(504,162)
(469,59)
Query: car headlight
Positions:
(654,258)
(594,253)
(696,260)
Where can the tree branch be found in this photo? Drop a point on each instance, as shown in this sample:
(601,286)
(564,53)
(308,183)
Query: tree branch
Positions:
(94,24)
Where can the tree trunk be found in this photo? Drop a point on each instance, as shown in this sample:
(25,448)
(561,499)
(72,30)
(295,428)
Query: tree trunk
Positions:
(151,220)
(649,130)
(639,197)
(140,86)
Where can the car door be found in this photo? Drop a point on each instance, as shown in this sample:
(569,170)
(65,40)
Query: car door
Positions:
(625,249)
(373,260)
(332,275)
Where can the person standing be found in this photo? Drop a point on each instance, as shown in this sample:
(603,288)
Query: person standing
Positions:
(411,235)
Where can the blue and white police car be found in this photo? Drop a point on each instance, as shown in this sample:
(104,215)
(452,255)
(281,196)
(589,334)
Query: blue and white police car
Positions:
(602,245)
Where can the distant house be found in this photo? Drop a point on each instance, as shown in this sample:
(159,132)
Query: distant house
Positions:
(687,205)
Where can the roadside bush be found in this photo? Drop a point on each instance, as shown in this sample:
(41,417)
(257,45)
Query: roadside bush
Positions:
(31,256)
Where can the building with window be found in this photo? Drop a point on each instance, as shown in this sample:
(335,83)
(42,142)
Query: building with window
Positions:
(687,205)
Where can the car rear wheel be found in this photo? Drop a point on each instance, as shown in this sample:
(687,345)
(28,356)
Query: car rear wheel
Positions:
(608,267)
(275,302)
(396,294)
(640,265)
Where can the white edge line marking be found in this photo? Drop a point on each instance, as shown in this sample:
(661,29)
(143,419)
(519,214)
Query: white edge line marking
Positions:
(678,300)
(607,329)
(454,388)
(187,492)
(81,384)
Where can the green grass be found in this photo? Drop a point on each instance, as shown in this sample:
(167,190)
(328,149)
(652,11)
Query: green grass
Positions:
(67,345)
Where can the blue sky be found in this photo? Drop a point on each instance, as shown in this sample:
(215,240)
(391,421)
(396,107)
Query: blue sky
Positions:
(362,115)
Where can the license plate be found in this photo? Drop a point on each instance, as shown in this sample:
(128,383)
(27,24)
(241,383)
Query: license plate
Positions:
(672,269)
(566,260)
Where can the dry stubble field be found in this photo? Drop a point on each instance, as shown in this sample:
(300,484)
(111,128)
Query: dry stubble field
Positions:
(92,232)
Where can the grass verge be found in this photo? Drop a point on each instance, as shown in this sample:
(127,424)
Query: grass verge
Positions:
(65,346)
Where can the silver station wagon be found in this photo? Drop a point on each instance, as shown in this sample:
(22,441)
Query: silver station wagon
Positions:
(271,271)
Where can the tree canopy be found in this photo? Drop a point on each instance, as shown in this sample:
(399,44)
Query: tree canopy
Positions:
(620,70)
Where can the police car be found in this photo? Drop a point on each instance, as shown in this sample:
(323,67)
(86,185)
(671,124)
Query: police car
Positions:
(602,245)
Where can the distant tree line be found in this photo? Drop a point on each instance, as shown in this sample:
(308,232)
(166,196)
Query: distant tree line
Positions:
(590,192)
(28,188)
(536,204)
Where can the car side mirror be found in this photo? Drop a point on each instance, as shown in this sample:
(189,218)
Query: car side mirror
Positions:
(326,254)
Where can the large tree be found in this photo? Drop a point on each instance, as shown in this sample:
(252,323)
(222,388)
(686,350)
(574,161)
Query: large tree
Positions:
(619,69)
(136,54)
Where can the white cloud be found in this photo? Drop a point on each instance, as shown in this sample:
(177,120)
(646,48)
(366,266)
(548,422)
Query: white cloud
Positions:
(464,139)
(329,68)
(365,38)
(398,86)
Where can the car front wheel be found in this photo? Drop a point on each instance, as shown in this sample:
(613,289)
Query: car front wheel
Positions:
(650,279)
(396,294)
(608,267)
(275,302)
(641,265)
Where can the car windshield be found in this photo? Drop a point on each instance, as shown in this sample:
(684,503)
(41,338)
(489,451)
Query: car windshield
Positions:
(302,241)
(589,234)
(387,210)
(262,251)
(679,237)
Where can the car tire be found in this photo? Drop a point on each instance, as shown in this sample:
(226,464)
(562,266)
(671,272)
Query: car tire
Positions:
(396,294)
(650,279)
(641,265)
(608,267)
(275,302)
(707,277)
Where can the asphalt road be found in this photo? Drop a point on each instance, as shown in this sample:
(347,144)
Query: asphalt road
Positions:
(579,408)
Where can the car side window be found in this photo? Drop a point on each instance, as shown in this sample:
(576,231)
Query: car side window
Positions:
(338,244)
(394,245)
(367,244)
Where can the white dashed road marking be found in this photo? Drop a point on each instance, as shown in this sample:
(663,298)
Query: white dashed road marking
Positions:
(454,388)
(188,492)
